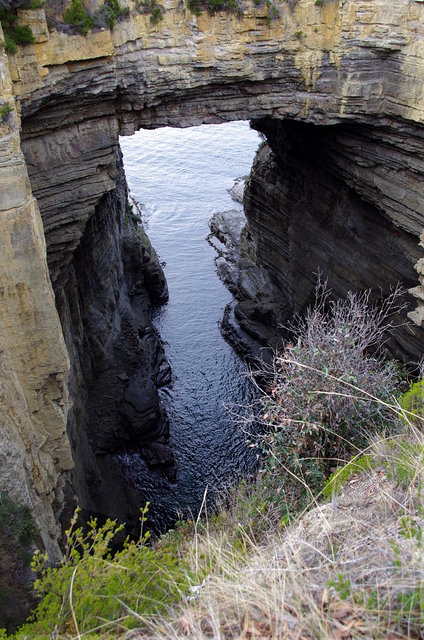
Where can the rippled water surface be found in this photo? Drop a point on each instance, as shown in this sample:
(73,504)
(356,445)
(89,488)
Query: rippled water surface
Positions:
(181,177)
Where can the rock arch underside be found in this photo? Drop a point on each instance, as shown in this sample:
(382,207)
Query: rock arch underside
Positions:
(338,91)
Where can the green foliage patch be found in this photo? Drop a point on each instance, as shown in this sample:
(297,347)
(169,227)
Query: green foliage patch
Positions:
(77,17)
(213,6)
(339,478)
(110,12)
(93,590)
(16,520)
(5,109)
(412,402)
(107,15)
(152,7)
(14,33)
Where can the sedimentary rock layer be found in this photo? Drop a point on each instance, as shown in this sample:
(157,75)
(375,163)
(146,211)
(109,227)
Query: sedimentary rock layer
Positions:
(336,201)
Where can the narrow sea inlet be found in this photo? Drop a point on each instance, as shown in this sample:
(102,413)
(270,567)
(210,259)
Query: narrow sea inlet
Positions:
(180,178)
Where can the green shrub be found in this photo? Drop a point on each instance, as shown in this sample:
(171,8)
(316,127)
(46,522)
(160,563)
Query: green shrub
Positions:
(318,3)
(412,402)
(22,34)
(77,17)
(94,589)
(156,16)
(5,109)
(110,12)
(16,520)
(152,7)
(327,394)
(13,33)
(213,6)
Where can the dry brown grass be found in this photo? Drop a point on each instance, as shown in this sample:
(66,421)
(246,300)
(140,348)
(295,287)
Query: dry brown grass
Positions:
(345,569)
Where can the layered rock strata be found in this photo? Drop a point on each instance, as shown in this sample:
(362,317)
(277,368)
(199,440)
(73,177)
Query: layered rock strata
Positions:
(331,200)
(104,299)
(35,455)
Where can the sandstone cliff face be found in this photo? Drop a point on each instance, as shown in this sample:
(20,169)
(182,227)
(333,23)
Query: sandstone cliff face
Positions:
(34,449)
(352,67)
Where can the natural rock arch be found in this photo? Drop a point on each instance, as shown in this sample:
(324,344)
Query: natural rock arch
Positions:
(352,68)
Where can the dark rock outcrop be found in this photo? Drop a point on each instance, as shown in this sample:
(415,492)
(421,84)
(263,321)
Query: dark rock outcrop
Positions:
(104,298)
(332,200)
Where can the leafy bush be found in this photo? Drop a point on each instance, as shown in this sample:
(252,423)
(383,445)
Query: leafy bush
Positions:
(327,393)
(5,109)
(16,520)
(213,6)
(412,402)
(93,590)
(77,17)
(22,34)
(13,33)
(152,7)
(110,12)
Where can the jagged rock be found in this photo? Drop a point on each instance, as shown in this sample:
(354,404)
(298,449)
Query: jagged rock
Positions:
(237,190)
(251,325)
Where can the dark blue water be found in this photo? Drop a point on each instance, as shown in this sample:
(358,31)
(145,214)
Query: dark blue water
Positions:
(181,177)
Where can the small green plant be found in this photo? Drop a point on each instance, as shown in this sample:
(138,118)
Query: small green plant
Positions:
(318,3)
(5,109)
(339,478)
(93,588)
(16,520)
(110,12)
(152,7)
(78,18)
(14,33)
(213,6)
(156,16)
(299,34)
(412,402)
(273,11)
(342,585)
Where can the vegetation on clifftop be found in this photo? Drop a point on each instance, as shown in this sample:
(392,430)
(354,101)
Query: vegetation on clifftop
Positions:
(14,33)
(78,17)
(326,543)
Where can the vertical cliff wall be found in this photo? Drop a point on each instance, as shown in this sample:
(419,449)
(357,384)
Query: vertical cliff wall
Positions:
(34,450)
(336,201)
